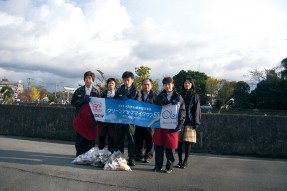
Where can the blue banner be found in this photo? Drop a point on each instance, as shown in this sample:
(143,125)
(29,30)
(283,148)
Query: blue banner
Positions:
(134,112)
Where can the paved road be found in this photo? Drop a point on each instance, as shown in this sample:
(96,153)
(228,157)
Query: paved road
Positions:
(36,165)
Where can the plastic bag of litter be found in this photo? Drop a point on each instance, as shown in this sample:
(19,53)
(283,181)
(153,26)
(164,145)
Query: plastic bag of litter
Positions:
(117,162)
(101,158)
(93,157)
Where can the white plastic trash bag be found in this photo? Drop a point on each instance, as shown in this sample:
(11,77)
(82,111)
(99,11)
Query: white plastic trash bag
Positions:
(93,157)
(102,157)
(117,162)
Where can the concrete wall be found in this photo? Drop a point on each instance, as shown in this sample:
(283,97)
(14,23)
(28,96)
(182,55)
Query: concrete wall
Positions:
(243,134)
(220,134)
(36,121)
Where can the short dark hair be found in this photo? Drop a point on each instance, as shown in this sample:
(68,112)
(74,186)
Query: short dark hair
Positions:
(167,80)
(147,79)
(128,74)
(89,73)
(110,80)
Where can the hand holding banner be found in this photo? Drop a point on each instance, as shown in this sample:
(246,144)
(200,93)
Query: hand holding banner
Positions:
(134,112)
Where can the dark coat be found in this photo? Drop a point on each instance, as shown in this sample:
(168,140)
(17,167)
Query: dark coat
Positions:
(104,94)
(84,122)
(78,97)
(164,136)
(161,99)
(133,93)
(150,98)
(106,129)
(192,106)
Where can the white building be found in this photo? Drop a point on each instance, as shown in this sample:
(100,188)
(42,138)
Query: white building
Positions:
(17,87)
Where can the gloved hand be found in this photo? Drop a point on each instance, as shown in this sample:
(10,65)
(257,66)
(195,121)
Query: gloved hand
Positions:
(178,128)
(195,126)
(173,102)
(86,100)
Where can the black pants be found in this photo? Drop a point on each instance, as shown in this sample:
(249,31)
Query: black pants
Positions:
(159,156)
(102,143)
(83,145)
(143,135)
(121,131)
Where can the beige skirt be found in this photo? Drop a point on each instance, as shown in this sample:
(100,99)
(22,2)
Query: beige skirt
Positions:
(187,134)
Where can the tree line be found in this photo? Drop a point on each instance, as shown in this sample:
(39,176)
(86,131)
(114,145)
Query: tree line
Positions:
(270,91)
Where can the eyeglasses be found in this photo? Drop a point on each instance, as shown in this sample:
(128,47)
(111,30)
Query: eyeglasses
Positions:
(146,84)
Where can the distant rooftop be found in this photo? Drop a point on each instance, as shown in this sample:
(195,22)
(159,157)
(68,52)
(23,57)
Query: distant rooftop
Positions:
(5,81)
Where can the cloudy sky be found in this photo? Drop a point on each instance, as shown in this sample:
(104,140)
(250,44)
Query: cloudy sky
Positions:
(55,41)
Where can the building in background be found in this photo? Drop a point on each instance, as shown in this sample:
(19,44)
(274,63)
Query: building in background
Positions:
(17,87)
(68,92)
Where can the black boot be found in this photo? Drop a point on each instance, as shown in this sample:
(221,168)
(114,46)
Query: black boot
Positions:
(111,144)
(131,162)
(187,153)
(179,153)
(184,165)
(102,142)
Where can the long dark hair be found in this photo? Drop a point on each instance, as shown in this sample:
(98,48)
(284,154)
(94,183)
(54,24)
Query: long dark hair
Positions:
(193,88)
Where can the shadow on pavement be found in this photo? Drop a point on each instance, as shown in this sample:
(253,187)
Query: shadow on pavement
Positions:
(37,158)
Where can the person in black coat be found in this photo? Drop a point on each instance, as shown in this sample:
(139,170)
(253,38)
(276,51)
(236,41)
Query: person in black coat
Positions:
(192,121)
(127,91)
(144,134)
(166,140)
(84,122)
(108,129)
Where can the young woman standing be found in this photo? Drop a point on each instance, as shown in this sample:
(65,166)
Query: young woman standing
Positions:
(167,139)
(107,129)
(192,121)
(84,122)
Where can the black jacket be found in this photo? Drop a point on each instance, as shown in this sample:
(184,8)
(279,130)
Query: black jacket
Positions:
(78,97)
(192,106)
(133,93)
(161,99)
(104,94)
(150,98)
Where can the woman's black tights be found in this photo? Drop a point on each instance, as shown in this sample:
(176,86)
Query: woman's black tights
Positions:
(187,150)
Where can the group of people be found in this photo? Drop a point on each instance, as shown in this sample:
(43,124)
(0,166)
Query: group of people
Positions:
(142,141)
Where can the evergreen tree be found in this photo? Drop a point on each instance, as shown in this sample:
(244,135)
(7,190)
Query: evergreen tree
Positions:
(241,95)
(199,79)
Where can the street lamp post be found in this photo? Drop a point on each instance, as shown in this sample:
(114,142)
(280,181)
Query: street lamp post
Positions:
(56,85)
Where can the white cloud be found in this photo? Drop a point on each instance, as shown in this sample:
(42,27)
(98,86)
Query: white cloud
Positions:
(58,40)
(58,37)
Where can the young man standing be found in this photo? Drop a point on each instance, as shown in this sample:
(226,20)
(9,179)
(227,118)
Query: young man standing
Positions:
(127,91)
(144,134)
